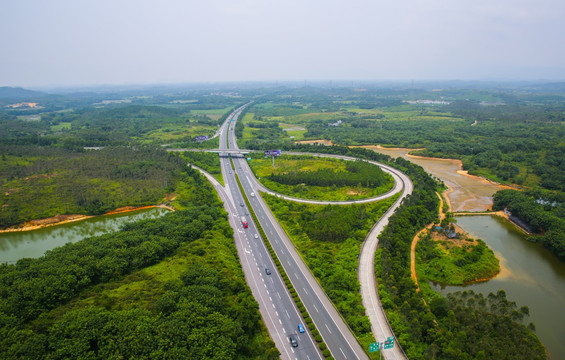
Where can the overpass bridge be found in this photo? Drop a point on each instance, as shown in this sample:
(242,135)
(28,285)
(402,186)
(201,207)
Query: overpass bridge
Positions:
(221,152)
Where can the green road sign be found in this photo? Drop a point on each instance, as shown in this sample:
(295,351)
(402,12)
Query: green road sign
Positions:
(373,347)
(389,343)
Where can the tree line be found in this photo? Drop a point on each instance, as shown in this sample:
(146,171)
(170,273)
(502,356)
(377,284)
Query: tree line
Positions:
(40,182)
(542,211)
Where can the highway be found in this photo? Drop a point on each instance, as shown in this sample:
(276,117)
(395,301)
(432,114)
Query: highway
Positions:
(255,259)
(277,308)
(331,326)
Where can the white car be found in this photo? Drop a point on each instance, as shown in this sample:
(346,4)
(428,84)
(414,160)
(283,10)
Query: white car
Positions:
(256,236)
(252,194)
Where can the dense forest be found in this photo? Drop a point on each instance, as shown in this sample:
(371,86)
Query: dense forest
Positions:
(206,311)
(40,182)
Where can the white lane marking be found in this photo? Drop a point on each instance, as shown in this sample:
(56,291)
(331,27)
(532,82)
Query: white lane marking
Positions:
(316,308)
(328,328)
(284,331)
(288,263)
(279,294)
(305,291)
(249,252)
(287,314)
(280,321)
(276,312)
(343,353)
(296,275)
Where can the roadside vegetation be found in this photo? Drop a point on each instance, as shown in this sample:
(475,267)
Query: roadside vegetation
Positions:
(321,179)
(209,162)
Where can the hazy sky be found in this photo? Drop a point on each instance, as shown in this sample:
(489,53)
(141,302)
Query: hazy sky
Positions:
(84,42)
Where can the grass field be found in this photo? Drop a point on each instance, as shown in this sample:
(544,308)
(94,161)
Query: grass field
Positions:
(262,167)
(61,126)
(214,114)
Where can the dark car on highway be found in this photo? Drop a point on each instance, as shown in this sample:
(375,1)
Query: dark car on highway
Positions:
(293,341)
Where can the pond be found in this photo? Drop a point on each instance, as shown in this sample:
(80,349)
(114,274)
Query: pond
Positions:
(530,276)
(34,243)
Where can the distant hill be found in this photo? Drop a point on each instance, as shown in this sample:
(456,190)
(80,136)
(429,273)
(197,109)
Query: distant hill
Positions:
(18,93)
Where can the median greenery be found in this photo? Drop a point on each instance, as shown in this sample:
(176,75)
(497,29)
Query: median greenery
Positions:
(307,319)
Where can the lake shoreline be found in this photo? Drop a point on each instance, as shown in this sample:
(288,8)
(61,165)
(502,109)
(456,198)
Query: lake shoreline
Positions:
(65,219)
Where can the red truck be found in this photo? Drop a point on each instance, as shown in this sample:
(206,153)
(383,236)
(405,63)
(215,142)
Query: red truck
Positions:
(244,222)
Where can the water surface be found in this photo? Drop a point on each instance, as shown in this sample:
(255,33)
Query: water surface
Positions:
(530,276)
(34,243)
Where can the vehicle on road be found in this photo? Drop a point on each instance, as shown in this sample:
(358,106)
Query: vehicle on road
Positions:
(293,341)
(241,204)
(300,328)
(256,236)
(267,271)
(252,194)
(244,222)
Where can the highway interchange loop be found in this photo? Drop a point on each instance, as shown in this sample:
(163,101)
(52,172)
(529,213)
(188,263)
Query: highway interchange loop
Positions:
(343,345)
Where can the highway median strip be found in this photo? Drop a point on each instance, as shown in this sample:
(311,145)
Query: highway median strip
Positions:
(307,319)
